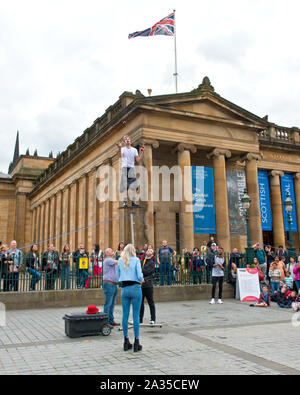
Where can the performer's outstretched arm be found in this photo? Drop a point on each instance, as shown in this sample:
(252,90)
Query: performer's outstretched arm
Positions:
(140,156)
(119,145)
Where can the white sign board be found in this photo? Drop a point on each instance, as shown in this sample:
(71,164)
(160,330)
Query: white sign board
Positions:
(247,286)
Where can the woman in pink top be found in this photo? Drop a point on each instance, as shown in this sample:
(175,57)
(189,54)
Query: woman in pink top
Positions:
(297,274)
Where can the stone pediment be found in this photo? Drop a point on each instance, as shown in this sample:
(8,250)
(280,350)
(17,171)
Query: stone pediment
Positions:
(204,102)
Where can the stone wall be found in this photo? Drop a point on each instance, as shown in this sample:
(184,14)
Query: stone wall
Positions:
(73,298)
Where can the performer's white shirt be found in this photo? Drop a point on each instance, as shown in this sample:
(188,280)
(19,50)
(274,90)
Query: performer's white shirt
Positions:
(128,156)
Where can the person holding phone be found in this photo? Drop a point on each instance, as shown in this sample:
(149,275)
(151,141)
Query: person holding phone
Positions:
(218,270)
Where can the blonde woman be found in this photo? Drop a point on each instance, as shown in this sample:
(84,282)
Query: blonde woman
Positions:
(131,276)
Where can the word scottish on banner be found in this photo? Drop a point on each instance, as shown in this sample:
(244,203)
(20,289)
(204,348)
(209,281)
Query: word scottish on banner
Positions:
(203,200)
(247,287)
(236,184)
(287,185)
(264,197)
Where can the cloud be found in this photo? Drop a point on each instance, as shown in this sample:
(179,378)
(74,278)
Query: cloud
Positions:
(63,62)
(226,48)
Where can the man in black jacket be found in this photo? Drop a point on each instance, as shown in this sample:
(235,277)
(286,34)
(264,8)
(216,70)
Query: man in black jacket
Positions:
(212,252)
(50,264)
(148,268)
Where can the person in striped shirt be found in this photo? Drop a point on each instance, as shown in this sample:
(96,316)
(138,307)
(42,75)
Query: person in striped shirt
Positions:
(288,280)
(275,277)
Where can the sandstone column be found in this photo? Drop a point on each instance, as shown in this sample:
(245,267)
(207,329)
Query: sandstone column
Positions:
(66,216)
(253,191)
(186,216)
(73,215)
(109,224)
(221,204)
(277,214)
(38,224)
(52,220)
(58,220)
(20,218)
(47,216)
(82,209)
(149,215)
(297,198)
(42,227)
(92,219)
(86,209)
(34,222)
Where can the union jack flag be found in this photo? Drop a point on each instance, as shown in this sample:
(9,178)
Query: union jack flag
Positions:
(165,27)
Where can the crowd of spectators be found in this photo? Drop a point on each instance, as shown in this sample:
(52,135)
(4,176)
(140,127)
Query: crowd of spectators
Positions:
(278,273)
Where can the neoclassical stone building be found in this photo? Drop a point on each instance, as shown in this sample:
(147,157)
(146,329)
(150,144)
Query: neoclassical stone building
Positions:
(45,199)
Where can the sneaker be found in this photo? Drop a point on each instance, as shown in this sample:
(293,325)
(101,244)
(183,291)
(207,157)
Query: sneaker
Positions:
(212,301)
(220,301)
(152,322)
(125,205)
(133,204)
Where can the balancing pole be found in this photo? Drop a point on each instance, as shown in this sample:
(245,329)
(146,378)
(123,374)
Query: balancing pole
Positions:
(132,228)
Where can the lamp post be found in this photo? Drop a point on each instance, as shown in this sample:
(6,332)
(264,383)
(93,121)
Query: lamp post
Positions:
(288,206)
(246,201)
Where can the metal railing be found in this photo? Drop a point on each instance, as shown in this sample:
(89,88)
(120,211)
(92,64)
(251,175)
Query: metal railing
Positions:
(180,271)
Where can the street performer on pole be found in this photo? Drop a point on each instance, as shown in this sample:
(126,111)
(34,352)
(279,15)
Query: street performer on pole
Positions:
(129,155)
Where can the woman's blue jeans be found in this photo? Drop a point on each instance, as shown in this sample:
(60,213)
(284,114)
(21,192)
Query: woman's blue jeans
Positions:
(131,295)
(65,277)
(35,277)
(275,286)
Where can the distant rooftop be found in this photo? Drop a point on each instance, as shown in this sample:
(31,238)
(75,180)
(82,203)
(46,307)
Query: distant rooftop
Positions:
(3,175)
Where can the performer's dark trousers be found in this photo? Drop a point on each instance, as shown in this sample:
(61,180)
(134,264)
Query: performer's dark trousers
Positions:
(148,294)
(216,280)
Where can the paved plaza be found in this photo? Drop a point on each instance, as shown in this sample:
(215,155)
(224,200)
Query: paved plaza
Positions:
(196,338)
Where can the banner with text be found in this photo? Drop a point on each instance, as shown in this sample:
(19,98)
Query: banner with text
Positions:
(203,200)
(247,285)
(236,184)
(287,185)
(264,197)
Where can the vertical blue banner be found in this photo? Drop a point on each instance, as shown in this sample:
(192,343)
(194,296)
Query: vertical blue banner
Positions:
(236,184)
(203,200)
(264,197)
(287,185)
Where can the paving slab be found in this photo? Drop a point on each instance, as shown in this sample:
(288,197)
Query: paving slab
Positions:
(196,339)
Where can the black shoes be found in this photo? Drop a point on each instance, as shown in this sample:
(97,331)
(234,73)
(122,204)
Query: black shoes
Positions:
(127,345)
(133,204)
(137,346)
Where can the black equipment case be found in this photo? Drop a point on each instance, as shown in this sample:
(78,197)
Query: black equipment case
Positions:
(83,324)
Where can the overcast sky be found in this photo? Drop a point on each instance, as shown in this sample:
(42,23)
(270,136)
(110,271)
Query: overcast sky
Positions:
(63,62)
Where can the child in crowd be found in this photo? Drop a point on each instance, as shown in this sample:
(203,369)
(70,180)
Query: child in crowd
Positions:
(275,277)
(285,298)
(288,280)
(293,296)
(296,303)
(264,298)
(281,296)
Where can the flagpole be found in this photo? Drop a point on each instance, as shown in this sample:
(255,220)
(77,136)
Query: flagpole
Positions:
(175,74)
